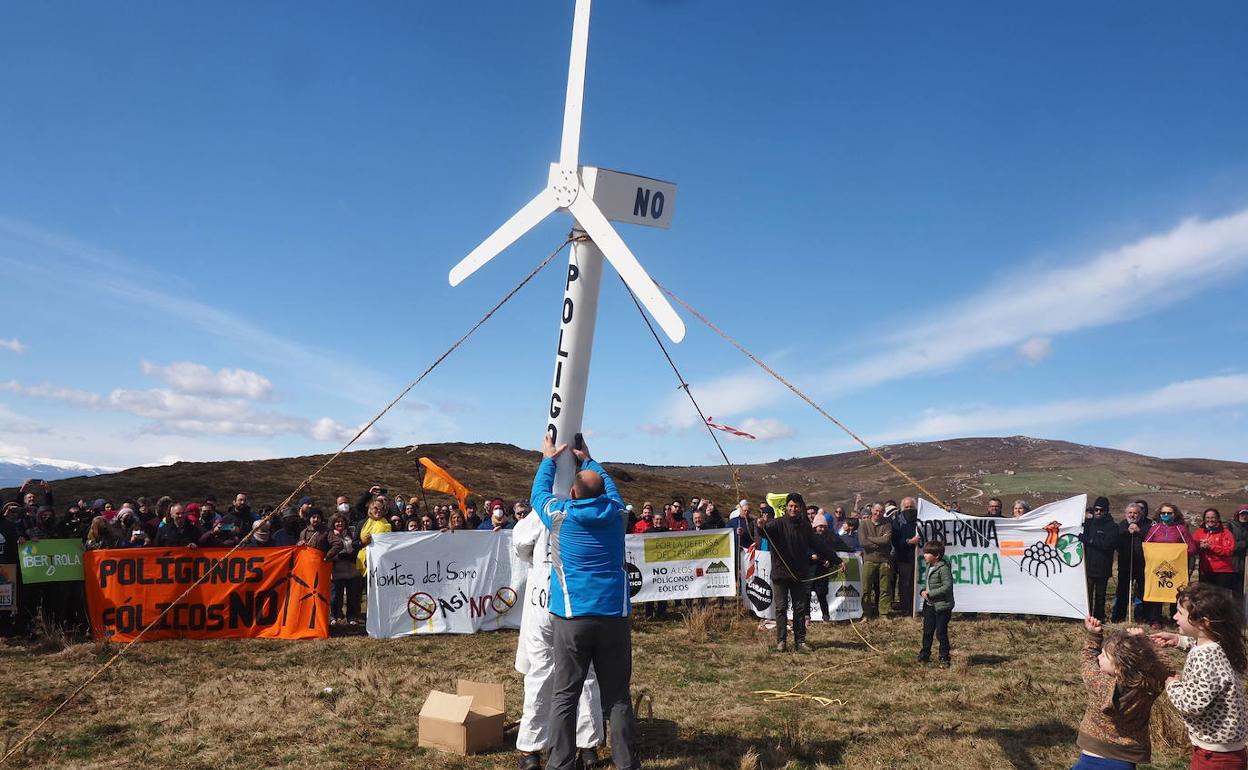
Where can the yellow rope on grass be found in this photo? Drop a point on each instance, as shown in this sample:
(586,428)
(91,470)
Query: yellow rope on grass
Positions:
(12,751)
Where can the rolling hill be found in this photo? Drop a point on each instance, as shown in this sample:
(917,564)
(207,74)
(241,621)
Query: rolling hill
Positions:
(966,470)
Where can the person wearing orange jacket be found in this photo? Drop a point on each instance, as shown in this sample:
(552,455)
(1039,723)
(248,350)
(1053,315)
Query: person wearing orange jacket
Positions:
(1214,545)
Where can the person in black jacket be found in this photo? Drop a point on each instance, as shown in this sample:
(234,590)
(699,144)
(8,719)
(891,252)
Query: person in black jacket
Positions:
(905,541)
(1100,542)
(178,531)
(8,555)
(1131,532)
(792,543)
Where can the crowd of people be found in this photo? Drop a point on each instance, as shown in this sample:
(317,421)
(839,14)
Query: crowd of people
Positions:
(885,533)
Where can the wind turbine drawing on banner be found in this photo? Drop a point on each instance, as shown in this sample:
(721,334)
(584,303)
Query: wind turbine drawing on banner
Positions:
(594,197)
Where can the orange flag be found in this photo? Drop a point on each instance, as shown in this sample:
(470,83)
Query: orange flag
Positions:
(438,480)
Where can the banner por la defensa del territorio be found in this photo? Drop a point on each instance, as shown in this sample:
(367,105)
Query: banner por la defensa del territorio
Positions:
(443,583)
(1033,564)
(680,565)
(276,593)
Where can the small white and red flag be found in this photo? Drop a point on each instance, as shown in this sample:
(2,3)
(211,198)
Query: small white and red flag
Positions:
(729,429)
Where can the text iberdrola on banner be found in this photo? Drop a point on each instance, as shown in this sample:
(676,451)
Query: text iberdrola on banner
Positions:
(274,593)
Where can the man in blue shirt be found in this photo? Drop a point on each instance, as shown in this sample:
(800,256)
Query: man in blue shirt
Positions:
(589,603)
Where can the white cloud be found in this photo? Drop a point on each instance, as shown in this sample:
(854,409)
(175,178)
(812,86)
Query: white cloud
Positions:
(766,428)
(1036,349)
(68,259)
(53,392)
(13,344)
(174,413)
(326,429)
(1112,286)
(1190,395)
(187,377)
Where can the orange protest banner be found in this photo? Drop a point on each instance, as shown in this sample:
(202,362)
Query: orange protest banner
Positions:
(272,593)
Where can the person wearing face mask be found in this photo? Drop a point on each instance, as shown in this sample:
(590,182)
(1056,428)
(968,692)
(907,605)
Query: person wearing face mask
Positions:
(1214,546)
(1100,541)
(1169,528)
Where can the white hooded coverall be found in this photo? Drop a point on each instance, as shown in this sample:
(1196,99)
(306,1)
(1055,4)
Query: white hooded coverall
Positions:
(531,541)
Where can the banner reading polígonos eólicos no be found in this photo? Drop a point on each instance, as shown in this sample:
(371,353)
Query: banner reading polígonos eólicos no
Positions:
(844,588)
(679,565)
(443,583)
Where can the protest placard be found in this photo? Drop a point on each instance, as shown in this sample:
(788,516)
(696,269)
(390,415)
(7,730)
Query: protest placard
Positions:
(257,592)
(680,565)
(1032,564)
(8,588)
(50,561)
(844,589)
(443,583)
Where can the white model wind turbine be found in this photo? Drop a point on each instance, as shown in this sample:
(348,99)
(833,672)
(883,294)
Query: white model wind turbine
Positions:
(593,196)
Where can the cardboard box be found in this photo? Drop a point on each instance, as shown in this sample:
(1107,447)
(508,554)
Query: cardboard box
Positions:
(469,722)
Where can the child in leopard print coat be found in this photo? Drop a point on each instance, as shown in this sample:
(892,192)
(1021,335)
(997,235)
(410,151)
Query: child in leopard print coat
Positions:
(1209,694)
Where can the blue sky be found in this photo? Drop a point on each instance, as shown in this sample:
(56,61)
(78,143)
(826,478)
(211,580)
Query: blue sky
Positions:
(225,229)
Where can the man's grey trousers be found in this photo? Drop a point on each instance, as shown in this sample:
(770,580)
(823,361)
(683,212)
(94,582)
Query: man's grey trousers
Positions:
(607,643)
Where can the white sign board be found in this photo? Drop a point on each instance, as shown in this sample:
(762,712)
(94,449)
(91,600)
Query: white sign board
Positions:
(680,565)
(1030,565)
(443,583)
(844,590)
(628,198)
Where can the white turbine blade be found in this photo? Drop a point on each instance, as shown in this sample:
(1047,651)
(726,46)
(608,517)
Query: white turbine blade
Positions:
(569,148)
(542,205)
(591,218)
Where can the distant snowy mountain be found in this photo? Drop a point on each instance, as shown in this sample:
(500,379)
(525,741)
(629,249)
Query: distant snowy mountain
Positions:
(15,470)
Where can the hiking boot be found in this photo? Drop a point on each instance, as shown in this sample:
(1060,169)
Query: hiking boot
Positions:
(922,661)
(531,760)
(800,648)
(587,759)
(781,646)
(946,663)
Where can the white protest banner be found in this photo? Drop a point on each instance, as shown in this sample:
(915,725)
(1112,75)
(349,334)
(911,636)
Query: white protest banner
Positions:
(443,583)
(844,589)
(680,565)
(1029,565)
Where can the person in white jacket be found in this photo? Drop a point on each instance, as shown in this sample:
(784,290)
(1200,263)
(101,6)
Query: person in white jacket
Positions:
(531,541)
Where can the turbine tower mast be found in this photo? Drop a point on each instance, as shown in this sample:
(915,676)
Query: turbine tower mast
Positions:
(593,196)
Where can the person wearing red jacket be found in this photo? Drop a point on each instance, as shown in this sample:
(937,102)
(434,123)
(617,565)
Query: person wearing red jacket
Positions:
(1214,544)
(676,519)
(646,521)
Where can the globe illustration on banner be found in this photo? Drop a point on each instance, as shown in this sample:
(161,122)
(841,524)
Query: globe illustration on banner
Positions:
(1070,549)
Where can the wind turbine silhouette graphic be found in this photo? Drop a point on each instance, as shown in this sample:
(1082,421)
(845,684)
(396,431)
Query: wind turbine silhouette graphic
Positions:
(593,196)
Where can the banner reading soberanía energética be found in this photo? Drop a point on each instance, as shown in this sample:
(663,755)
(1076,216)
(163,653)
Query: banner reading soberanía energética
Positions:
(1031,565)
(680,565)
(443,583)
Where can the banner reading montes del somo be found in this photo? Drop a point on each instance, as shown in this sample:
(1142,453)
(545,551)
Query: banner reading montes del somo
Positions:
(443,583)
(1030,565)
(257,592)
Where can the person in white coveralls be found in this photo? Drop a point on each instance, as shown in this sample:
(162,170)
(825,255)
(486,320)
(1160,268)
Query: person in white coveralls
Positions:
(531,541)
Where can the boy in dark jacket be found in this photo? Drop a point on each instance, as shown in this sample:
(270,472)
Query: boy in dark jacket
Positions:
(937,601)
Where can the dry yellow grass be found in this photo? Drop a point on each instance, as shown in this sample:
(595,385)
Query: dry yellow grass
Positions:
(1012,700)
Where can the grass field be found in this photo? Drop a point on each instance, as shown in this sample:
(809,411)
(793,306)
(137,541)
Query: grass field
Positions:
(1072,481)
(1013,699)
